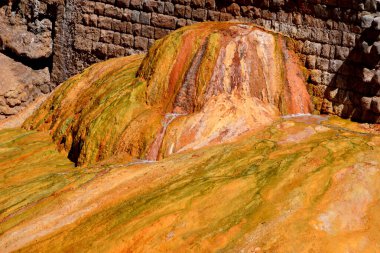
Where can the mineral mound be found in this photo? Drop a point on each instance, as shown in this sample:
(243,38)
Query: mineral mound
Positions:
(213,82)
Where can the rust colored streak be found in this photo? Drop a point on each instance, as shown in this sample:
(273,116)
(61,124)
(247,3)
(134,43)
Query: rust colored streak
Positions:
(216,83)
(257,75)
(236,78)
(296,96)
(186,97)
(180,63)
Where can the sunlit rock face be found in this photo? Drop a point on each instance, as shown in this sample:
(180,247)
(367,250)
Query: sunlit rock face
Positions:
(202,85)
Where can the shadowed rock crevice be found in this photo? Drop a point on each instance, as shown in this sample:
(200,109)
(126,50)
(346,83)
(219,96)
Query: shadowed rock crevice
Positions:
(35,64)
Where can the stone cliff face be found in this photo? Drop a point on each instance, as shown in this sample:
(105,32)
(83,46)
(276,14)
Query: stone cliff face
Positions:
(67,36)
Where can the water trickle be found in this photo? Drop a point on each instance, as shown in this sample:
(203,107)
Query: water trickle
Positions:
(156,146)
(297,115)
(306,118)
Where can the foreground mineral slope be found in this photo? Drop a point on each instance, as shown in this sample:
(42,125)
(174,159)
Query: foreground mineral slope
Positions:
(307,184)
(201,85)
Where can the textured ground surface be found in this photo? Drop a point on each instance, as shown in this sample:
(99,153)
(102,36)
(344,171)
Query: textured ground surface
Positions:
(232,174)
(300,185)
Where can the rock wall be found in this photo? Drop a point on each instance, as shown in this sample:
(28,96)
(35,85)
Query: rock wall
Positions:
(335,39)
(26,52)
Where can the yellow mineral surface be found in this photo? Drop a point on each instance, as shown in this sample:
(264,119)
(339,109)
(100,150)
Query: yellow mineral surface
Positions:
(205,144)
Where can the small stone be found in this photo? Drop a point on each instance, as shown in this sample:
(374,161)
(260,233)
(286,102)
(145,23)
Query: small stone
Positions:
(45,88)
(366,48)
(11,94)
(375,50)
(325,52)
(327,106)
(163,21)
(331,94)
(348,39)
(335,65)
(234,9)
(366,21)
(310,61)
(312,48)
(375,106)
(376,78)
(367,75)
(12,102)
(342,53)
(365,103)
(141,43)
(322,64)
(376,23)
(316,76)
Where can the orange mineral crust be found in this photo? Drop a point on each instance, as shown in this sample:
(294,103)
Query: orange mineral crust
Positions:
(202,85)
(302,184)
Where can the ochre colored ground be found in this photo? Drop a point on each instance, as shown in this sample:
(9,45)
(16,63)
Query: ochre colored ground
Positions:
(307,184)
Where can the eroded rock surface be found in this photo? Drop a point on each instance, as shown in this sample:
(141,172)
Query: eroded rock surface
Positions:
(20,85)
(26,52)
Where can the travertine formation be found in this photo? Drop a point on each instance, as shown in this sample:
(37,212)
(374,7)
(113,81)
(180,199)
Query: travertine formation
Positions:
(211,82)
(327,33)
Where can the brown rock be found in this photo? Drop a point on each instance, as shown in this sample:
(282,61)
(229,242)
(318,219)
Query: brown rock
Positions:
(163,21)
(375,106)
(367,75)
(234,9)
(141,43)
(199,14)
(365,103)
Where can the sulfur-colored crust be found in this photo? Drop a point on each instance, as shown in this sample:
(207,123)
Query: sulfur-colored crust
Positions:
(305,184)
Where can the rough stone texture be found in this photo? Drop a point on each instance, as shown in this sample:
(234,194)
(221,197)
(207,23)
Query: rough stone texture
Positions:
(20,85)
(335,39)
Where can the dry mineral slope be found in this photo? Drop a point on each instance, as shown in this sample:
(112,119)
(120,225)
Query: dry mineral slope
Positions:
(301,185)
(231,174)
